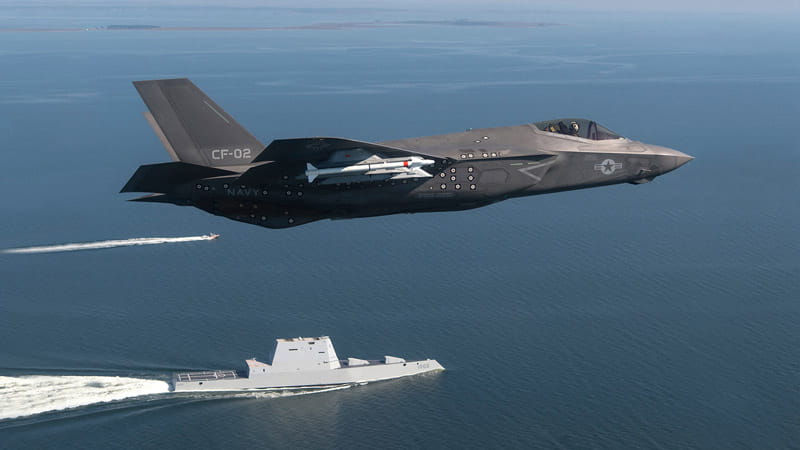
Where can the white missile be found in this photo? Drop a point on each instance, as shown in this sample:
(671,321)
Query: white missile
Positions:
(409,167)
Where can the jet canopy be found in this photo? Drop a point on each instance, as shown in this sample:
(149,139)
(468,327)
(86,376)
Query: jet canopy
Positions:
(583,128)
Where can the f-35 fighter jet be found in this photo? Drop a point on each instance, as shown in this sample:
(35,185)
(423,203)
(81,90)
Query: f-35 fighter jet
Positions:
(221,168)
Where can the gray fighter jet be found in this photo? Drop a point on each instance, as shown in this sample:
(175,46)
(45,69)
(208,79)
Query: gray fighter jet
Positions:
(221,168)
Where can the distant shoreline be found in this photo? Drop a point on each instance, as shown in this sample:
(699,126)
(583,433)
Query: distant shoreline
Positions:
(313,26)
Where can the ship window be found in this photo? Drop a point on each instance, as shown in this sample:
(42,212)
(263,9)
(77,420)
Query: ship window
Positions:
(583,128)
(311,343)
(292,349)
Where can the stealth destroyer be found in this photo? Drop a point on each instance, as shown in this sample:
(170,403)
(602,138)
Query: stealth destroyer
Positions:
(302,364)
(221,168)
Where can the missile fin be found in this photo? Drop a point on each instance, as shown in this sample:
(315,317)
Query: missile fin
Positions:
(311,172)
(415,172)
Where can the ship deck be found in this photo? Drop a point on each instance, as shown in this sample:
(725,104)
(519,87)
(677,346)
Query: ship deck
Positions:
(214,375)
(209,375)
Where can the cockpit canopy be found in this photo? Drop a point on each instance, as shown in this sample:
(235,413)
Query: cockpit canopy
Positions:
(584,128)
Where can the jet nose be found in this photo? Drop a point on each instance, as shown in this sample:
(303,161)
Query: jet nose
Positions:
(670,159)
(681,158)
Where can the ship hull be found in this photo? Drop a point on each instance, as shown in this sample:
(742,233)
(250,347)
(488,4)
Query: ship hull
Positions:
(222,381)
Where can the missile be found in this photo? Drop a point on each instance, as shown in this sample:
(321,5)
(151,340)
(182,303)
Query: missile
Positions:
(407,168)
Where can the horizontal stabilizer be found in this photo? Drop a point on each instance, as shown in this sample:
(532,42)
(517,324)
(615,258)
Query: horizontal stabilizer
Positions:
(164,177)
(318,149)
(152,198)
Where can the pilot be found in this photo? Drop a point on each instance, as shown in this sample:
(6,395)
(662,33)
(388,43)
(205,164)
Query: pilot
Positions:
(573,129)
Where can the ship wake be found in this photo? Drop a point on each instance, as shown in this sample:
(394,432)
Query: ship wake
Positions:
(107,244)
(28,395)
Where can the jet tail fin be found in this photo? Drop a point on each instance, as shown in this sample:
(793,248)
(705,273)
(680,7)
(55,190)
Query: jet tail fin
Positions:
(192,127)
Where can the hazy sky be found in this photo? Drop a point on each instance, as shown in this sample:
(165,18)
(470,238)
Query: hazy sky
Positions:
(761,6)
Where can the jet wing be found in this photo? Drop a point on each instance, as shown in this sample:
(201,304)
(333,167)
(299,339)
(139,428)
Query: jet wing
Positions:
(319,149)
(270,172)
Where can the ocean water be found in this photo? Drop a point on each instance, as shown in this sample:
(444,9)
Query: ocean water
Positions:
(656,316)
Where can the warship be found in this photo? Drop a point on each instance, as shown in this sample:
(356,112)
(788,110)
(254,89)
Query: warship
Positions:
(301,364)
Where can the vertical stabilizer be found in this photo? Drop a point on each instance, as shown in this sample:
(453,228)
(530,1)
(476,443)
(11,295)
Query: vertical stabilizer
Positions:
(192,127)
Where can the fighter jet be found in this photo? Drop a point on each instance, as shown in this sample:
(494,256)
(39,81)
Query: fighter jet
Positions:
(219,167)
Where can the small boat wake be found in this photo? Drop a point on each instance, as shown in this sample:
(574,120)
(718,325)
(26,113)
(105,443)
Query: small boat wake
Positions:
(29,395)
(109,244)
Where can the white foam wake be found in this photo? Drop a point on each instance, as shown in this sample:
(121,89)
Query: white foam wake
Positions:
(35,394)
(107,244)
